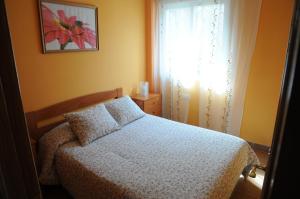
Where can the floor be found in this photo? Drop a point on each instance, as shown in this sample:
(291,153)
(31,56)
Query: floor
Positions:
(249,188)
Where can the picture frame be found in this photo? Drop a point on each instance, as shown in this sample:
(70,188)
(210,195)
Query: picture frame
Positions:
(68,27)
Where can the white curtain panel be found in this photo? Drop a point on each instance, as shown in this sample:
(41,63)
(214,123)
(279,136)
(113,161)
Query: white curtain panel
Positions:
(210,42)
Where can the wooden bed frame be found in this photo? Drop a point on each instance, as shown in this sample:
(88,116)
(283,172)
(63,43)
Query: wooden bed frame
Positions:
(35,117)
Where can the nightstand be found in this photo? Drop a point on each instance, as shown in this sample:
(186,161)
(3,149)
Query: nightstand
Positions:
(150,104)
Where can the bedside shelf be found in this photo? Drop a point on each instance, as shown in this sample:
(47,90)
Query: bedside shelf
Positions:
(150,104)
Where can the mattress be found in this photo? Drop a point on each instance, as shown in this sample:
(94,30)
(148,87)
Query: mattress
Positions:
(157,158)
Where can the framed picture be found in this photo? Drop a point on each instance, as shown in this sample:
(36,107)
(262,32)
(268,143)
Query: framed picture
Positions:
(68,26)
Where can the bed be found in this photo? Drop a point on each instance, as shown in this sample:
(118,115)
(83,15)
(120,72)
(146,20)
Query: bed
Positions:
(150,157)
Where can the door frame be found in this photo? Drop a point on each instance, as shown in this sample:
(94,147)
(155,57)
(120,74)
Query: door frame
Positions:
(18,177)
(282,166)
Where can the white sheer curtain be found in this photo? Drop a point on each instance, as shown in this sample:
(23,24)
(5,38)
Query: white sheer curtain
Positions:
(210,42)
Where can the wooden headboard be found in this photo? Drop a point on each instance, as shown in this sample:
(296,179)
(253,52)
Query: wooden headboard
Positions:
(56,110)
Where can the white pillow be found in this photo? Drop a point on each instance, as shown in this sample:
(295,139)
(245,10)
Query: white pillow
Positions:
(91,124)
(124,110)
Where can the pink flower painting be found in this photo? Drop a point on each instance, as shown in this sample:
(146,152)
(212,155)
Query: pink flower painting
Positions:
(63,31)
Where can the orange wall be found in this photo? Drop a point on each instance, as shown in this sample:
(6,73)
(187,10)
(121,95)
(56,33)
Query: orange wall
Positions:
(46,79)
(49,78)
(266,71)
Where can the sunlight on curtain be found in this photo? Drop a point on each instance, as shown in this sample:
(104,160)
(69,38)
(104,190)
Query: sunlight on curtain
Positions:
(209,42)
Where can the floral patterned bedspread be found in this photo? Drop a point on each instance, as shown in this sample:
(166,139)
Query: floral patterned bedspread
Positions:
(155,158)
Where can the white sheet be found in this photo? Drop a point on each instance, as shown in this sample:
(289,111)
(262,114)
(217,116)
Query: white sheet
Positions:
(155,158)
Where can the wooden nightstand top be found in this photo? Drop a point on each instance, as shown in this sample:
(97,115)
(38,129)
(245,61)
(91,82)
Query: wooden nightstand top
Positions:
(142,98)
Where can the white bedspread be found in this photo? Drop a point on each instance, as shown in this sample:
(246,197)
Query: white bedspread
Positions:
(155,158)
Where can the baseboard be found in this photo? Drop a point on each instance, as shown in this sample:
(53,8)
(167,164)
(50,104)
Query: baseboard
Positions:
(259,147)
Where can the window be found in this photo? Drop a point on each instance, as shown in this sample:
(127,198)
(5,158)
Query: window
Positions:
(192,37)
